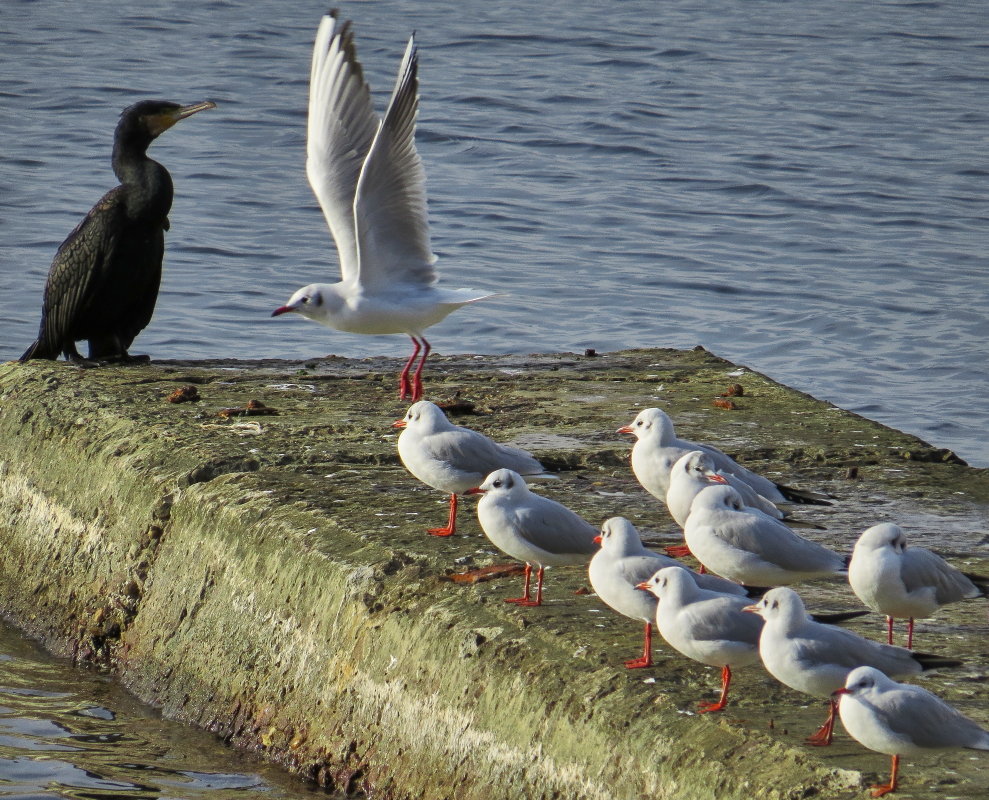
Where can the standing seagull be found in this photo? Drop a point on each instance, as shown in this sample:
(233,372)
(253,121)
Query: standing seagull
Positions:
(623,563)
(815,659)
(369,181)
(708,626)
(695,471)
(899,719)
(532,529)
(901,581)
(657,449)
(104,279)
(744,545)
(454,459)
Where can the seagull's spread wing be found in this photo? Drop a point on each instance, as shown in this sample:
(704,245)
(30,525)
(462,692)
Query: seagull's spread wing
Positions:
(342,124)
(390,206)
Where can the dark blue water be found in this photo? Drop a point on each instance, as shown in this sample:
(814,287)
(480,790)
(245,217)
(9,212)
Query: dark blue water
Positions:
(71,733)
(799,187)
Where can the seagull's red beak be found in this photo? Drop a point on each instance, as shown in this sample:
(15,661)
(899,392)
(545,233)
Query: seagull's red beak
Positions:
(597,539)
(625,429)
(839,692)
(644,586)
(281,310)
(714,477)
(753,608)
(475,490)
(399,423)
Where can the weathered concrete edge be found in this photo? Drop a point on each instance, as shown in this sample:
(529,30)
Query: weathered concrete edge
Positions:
(350,664)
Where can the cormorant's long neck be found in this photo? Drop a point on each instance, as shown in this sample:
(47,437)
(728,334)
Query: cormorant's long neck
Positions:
(147,184)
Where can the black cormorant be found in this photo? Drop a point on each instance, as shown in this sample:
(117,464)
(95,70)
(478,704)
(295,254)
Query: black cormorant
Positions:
(104,279)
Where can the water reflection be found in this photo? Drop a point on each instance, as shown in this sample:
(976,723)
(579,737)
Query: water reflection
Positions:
(69,733)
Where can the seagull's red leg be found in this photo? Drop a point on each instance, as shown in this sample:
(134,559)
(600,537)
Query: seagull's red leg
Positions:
(404,388)
(885,788)
(889,630)
(417,375)
(646,659)
(524,600)
(723,700)
(910,634)
(451,523)
(823,735)
(677,550)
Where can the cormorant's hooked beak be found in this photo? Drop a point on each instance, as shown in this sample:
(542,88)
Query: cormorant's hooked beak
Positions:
(195,108)
(282,310)
(162,122)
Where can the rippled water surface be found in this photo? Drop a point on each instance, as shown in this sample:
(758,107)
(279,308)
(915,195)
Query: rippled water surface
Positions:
(70,733)
(799,187)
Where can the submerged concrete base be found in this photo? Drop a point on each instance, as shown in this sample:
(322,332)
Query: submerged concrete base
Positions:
(269,577)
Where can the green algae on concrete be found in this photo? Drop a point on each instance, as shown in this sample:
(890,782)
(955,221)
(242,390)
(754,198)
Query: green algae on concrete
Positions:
(269,578)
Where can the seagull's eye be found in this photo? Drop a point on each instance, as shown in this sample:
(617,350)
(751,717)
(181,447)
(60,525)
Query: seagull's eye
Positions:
(496,484)
(305,300)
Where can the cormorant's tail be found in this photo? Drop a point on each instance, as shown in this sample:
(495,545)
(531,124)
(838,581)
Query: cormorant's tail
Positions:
(39,350)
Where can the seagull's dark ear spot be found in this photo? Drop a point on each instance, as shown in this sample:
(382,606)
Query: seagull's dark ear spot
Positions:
(776,604)
(509,483)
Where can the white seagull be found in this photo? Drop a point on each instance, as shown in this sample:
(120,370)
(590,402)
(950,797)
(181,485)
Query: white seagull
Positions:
(622,563)
(532,529)
(454,459)
(369,181)
(900,581)
(657,449)
(696,470)
(815,659)
(746,546)
(899,719)
(709,627)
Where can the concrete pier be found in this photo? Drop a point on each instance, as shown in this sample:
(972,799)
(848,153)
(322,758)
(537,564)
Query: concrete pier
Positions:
(268,576)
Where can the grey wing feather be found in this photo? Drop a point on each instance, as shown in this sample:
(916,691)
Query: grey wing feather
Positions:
(556,529)
(341,127)
(922,568)
(923,718)
(471,451)
(763,536)
(818,643)
(636,569)
(721,618)
(390,205)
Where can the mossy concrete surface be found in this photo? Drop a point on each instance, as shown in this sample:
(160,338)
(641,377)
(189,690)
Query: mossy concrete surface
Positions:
(269,577)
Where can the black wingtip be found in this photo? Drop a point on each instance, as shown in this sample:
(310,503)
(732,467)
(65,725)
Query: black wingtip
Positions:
(839,617)
(805,496)
(928,661)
